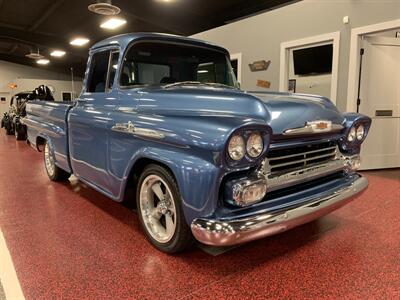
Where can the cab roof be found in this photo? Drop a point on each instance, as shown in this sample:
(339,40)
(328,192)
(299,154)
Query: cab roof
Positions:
(124,40)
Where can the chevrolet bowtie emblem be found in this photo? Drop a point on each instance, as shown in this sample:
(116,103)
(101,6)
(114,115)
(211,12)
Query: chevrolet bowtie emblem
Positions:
(320,126)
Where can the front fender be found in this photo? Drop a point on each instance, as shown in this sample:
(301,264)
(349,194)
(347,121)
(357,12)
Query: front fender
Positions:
(197,178)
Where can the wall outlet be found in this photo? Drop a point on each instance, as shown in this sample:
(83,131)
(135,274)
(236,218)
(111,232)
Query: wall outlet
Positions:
(346,19)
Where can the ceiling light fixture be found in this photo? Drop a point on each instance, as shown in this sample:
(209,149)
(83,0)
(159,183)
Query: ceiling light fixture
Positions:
(104,7)
(113,23)
(57,53)
(42,61)
(79,41)
(35,56)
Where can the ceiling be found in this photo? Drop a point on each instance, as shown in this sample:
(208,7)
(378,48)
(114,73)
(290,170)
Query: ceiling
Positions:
(44,25)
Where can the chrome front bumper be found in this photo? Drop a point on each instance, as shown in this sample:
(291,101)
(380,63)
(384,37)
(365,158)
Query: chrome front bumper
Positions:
(227,233)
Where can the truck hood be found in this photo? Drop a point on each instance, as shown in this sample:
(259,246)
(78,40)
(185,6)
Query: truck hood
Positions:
(280,111)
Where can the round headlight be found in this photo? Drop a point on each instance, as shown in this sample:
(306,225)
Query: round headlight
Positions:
(255,145)
(360,132)
(352,134)
(236,147)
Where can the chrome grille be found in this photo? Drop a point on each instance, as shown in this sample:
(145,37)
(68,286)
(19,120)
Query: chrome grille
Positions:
(285,160)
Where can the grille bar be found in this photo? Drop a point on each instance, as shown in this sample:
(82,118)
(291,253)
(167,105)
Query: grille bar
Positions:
(303,153)
(288,159)
(295,162)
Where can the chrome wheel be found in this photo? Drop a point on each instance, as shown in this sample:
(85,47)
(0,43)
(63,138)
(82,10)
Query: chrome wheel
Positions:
(48,161)
(157,208)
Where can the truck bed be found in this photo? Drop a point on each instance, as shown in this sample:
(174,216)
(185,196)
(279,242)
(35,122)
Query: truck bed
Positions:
(49,119)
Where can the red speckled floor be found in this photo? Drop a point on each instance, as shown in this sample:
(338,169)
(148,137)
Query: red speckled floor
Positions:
(68,241)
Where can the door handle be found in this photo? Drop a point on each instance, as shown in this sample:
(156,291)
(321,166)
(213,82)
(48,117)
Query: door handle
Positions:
(81,100)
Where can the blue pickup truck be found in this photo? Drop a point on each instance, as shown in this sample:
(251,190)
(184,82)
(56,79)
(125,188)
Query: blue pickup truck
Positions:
(161,120)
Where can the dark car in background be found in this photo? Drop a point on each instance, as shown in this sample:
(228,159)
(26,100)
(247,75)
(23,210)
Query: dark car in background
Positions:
(11,120)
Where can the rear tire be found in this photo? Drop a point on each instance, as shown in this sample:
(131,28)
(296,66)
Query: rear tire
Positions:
(159,206)
(55,173)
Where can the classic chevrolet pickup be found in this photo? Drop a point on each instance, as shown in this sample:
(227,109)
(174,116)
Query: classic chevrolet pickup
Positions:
(163,117)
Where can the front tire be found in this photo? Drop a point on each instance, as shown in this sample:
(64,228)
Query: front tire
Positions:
(55,173)
(160,210)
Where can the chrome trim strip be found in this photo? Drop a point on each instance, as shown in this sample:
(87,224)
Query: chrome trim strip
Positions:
(302,175)
(226,233)
(131,129)
(310,128)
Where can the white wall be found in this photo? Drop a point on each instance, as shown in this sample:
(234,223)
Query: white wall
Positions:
(259,37)
(30,78)
(59,86)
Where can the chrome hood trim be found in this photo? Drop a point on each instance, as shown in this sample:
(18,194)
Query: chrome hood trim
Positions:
(320,126)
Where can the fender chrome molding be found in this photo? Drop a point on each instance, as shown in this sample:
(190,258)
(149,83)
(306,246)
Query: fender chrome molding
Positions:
(131,129)
(314,127)
(228,233)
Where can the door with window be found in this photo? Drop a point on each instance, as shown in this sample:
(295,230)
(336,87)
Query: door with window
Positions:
(88,120)
(380,99)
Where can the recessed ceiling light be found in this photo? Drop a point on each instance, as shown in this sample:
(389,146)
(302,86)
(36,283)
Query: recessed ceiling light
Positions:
(79,41)
(202,71)
(57,53)
(42,61)
(113,23)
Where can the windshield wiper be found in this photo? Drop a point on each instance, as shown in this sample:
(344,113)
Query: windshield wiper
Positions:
(214,84)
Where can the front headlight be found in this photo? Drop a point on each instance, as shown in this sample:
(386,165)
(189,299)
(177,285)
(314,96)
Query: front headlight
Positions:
(255,145)
(236,147)
(360,132)
(352,134)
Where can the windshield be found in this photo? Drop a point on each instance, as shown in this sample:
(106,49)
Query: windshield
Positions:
(152,63)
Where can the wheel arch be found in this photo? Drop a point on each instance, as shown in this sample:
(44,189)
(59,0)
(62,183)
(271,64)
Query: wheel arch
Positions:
(135,170)
(196,177)
(40,142)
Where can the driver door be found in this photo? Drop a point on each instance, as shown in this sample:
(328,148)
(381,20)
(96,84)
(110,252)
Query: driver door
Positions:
(88,120)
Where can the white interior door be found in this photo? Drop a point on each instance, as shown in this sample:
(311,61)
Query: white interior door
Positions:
(380,99)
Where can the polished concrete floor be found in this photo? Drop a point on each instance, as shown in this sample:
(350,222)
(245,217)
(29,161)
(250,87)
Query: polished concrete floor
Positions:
(68,241)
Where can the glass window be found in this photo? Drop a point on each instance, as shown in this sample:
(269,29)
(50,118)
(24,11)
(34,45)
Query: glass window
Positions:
(98,72)
(113,68)
(234,64)
(156,63)
(152,73)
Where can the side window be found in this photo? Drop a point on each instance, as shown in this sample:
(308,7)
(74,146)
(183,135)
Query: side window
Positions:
(113,68)
(98,72)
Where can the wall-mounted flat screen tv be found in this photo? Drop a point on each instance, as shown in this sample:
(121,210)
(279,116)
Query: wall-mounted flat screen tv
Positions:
(313,60)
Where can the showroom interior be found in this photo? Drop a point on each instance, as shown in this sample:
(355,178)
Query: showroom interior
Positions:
(241,149)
